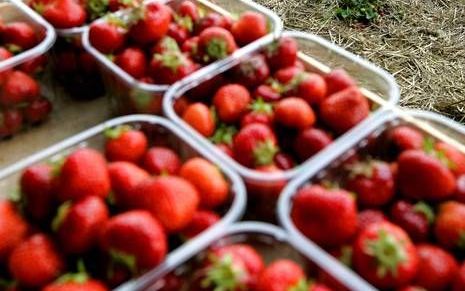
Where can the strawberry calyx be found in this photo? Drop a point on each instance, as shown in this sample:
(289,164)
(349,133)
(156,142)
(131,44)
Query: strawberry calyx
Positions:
(272,48)
(346,256)
(141,99)
(170,60)
(38,7)
(62,212)
(97,8)
(56,165)
(388,252)
(136,14)
(461,240)
(330,185)
(4,283)
(362,168)
(223,275)
(14,49)
(294,82)
(264,152)
(184,21)
(224,134)
(116,132)
(429,148)
(423,208)
(168,44)
(216,49)
(79,277)
(115,21)
(123,259)
(260,106)
(301,285)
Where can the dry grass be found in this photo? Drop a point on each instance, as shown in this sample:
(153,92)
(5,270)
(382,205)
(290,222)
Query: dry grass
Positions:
(421,42)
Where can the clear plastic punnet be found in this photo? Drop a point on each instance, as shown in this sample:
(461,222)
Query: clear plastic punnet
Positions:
(129,95)
(372,143)
(158,130)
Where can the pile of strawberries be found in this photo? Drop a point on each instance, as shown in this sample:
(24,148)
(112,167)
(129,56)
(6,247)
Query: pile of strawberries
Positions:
(20,99)
(157,44)
(395,212)
(93,223)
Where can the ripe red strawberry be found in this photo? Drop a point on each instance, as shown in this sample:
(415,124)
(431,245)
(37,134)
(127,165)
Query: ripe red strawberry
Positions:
(311,88)
(282,53)
(125,144)
(124,178)
(133,61)
(116,5)
(421,176)
(338,80)
(267,93)
(252,72)
(34,66)
(180,105)
(35,262)
(455,158)
(281,275)
(4,55)
(345,109)
(310,141)
(231,102)
(191,47)
(172,200)
(36,188)
(153,25)
(178,32)
(84,173)
(284,161)
(64,13)
(170,67)
(459,282)
(19,34)
(412,288)
(38,110)
(107,36)
(13,228)
(213,19)
(313,212)
(189,9)
(459,194)
(161,160)
(249,27)
(209,181)
(406,138)
(78,224)
(18,87)
(136,238)
(369,216)
(215,43)
(415,219)
(269,191)
(255,145)
(202,220)
(261,112)
(294,112)
(436,269)
(87,285)
(200,117)
(11,121)
(449,228)
(286,75)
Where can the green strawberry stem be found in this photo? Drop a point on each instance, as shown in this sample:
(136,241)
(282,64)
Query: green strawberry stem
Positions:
(260,106)
(62,212)
(14,49)
(362,168)
(346,256)
(185,22)
(115,132)
(222,275)
(79,277)
(170,60)
(97,8)
(301,285)
(264,152)
(216,49)
(169,44)
(426,210)
(224,134)
(272,48)
(429,148)
(294,82)
(124,259)
(116,21)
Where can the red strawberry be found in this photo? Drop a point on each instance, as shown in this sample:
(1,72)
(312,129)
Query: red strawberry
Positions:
(284,161)
(406,138)
(11,121)
(153,25)
(161,160)
(171,282)
(255,145)
(172,200)
(200,117)
(345,109)
(87,285)
(5,54)
(125,144)
(13,228)
(216,43)
(261,112)
(286,75)
(107,36)
(436,269)
(370,260)
(18,88)
(84,173)
(226,149)
(313,212)
(252,72)
(310,141)
(34,66)
(19,34)
(268,191)
(267,93)
(294,112)
(191,46)
(136,238)
(170,67)
(116,5)
(35,262)
(124,178)
(231,102)
(338,80)
(249,27)
(456,158)
(282,53)
(412,288)
(178,32)
(421,176)
(180,105)
(64,13)
(460,189)
(281,275)
(459,282)
(202,220)
(449,228)
(213,19)
(369,216)
(133,61)
(36,188)
(415,219)
(209,181)
(189,9)
(38,110)
(312,88)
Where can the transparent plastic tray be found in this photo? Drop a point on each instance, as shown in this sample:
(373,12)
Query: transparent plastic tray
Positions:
(318,55)
(430,123)
(271,241)
(155,127)
(129,95)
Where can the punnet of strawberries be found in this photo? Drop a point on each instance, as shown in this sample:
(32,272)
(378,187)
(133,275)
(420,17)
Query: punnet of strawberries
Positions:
(21,101)
(94,220)
(396,206)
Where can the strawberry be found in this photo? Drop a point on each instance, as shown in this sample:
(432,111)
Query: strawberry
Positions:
(267,93)
(13,228)
(147,245)
(338,80)
(180,105)
(459,282)
(343,110)
(179,33)
(252,72)
(213,19)
(116,5)
(255,145)
(412,288)
(313,212)
(64,13)
(190,47)
(124,178)
(202,220)
(133,61)
(35,262)
(369,216)
(34,66)
(284,161)
(421,176)
(153,25)
(87,285)
(36,189)
(161,160)
(171,282)
(281,275)
(456,158)
(287,75)
(107,36)
(231,102)
(11,121)
(216,43)
(436,269)
(406,138)
(372,181)
(5,54)
(18,87)
(172,200)
(459,194)
(209,181)
(310,141)
(261,112)
(189,9)
(125,144)
(249,27)
(294,112)
(449,228)
(165,45)
(226,149)
(282,53)
(170,67)
(415,219)
(370,259)
(84,173)
(311,88)
(268,191)
(19,34)
(199,116)
(38,110)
